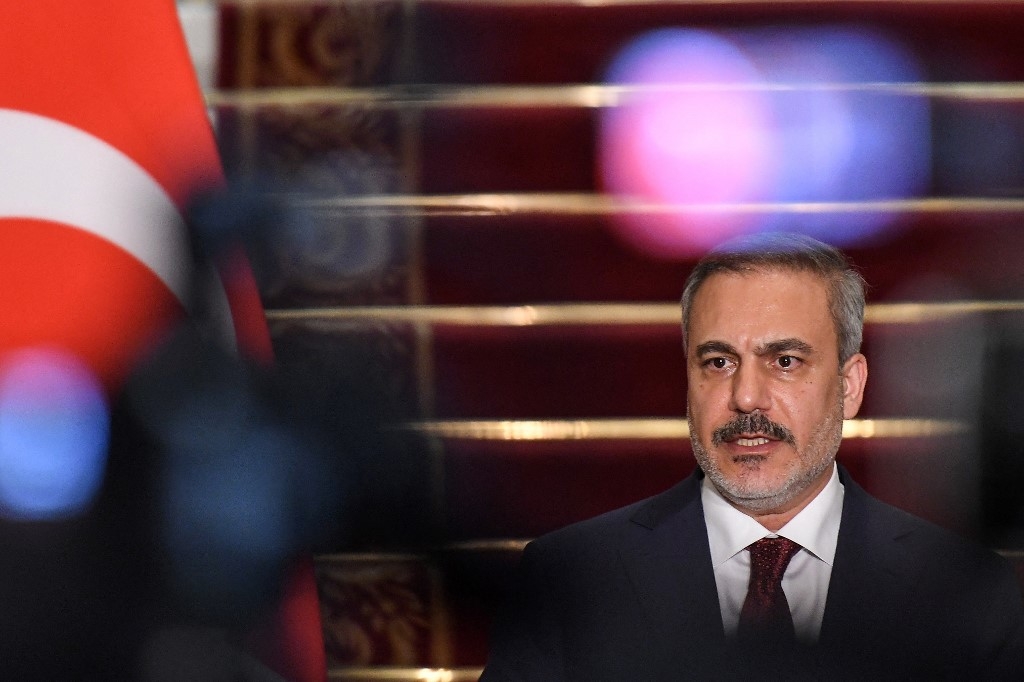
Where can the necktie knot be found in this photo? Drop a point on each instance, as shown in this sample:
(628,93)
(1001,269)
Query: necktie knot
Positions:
(769,558)
(765,612)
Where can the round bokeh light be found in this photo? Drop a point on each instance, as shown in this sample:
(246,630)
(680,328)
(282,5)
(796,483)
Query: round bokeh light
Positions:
(784,128)
(54,433)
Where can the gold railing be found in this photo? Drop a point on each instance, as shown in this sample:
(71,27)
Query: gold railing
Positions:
(597,204)
(398,674)
(611,313)
(654,429)
(582,95)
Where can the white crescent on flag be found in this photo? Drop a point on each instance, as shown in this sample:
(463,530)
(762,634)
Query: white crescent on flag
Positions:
(55,172)
(104,138)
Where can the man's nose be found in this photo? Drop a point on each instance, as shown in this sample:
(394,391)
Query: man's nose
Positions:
(750,390)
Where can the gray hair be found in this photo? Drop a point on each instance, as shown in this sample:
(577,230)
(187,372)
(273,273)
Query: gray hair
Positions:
(798,253)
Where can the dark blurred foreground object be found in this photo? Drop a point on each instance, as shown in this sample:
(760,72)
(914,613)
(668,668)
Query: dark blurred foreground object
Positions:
(217,481)
(225,474)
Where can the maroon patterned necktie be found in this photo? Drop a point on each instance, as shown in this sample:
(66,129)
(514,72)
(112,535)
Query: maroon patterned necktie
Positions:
(765,616)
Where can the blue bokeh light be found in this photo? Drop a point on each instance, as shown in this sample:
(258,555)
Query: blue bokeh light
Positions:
(54,435)
(787,128)
(846,133)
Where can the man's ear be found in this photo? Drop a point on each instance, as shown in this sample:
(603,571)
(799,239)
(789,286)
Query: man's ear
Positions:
(855,375)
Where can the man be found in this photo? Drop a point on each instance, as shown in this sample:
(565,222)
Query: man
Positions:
(678,586)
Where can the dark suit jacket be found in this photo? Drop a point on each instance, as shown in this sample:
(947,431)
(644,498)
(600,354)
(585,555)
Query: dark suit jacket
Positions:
(630,595)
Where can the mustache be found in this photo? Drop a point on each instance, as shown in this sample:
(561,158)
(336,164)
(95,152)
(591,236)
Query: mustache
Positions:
(752,423)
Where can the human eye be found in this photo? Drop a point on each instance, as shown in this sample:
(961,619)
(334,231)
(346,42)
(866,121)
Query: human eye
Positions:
(716,362)
(787,362)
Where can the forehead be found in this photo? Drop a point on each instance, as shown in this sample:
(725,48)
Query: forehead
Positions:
(762,305)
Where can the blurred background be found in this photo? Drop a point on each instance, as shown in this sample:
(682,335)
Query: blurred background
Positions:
(497,203)
(469,222)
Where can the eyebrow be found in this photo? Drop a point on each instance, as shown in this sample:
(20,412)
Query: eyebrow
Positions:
(784,345)
(768,348)
(715,347)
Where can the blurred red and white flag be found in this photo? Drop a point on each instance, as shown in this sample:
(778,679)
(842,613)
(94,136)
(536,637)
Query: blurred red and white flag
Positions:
(103,139)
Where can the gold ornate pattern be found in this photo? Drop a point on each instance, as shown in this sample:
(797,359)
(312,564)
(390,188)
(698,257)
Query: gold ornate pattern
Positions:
(281,44)
(359,354)
(328,149)
(375,611)
(350,43)
(329,260)
(341,150)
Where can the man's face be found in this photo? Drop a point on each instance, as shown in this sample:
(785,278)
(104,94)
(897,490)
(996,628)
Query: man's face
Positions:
(766,395)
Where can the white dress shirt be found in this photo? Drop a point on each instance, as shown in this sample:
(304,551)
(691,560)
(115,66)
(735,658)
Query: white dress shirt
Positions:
(815,529)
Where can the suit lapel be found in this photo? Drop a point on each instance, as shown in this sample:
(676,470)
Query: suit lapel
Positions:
(668,563)
(870,573)
(669,566)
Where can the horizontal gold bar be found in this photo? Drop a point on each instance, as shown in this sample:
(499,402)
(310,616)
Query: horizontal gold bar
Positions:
(554,429)
(483,545)
(910,313)
(608,313)
(369,557)
(496,316)
(488,545)
(596,204)
(577,95)
(654,429)
(399,674)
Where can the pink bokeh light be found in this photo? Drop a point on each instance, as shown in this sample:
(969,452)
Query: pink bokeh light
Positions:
(722,134)
(680,144)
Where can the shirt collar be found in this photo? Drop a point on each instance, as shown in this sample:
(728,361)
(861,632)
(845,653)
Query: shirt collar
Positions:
(815,527)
